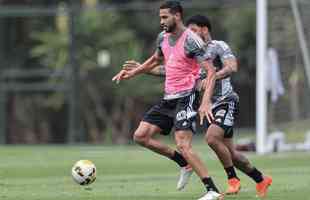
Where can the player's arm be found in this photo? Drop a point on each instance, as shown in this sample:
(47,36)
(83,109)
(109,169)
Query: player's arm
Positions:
(145,67)
(195,48)
(158,70)
(205,109)
(230,64)
(148,65)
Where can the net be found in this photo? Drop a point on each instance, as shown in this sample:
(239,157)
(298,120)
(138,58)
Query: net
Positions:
(288,110)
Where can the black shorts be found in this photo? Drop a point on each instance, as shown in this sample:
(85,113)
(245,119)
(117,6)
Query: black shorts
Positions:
(224,113)
(180,113)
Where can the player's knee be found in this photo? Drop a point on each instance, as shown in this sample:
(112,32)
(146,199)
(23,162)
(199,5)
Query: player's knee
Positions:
(141,137)
(210,140)
(185,149)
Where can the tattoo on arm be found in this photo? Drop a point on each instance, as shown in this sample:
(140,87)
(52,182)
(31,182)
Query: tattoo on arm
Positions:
(230,66)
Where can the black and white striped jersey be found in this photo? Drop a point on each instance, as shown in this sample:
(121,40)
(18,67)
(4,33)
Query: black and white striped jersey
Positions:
(219,51)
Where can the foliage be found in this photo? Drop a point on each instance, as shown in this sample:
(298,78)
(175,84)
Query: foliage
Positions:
(110,111)
(111,104)
(240,28)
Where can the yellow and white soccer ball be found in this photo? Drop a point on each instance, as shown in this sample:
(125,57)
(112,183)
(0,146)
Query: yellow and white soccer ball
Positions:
(84,172)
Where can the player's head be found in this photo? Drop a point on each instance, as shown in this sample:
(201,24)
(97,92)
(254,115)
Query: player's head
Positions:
(200,24)
(170,13)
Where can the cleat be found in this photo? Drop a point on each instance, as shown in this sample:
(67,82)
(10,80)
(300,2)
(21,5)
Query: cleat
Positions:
(262,187)
(185,174)
(211,195)
(234,186)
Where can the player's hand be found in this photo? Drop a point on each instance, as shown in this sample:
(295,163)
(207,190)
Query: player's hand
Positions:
(123,74)
(119,76)
(205,110)
(130,65)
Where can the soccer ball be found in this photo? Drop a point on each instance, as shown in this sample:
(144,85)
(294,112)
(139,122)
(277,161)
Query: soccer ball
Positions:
(84,172)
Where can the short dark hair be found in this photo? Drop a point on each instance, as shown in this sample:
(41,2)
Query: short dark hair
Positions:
(200,20)
(174,6)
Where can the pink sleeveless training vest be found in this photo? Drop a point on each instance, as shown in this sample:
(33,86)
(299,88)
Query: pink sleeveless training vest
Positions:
(181,71)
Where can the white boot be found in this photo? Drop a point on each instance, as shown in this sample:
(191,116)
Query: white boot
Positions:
(211,195)
(185,174)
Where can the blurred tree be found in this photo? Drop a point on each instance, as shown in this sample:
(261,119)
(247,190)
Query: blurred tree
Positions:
(106,107)
(239,28)
(21,127)
(111,35)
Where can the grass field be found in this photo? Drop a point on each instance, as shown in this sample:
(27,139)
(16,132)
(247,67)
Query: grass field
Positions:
(132,173)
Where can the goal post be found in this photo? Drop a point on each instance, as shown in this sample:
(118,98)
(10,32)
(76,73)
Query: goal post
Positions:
(261,99)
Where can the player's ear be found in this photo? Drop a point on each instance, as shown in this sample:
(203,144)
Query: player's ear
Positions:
(178,16)
(205,30)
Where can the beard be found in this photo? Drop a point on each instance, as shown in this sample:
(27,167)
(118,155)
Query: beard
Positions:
(170,28)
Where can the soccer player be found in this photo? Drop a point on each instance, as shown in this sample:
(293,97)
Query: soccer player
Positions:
(225,105)
(182,53)
(219,132)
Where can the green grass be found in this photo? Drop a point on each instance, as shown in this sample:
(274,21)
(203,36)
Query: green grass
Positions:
(133,173)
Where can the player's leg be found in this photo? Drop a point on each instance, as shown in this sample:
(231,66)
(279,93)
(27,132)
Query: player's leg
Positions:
(158,120)
(185,120)
(240,161)
(215,139)
(183,140)
(243,164)
(221,128)
(144,137)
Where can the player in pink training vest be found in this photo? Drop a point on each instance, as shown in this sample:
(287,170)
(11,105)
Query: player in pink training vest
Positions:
(182,53)
(219,134)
